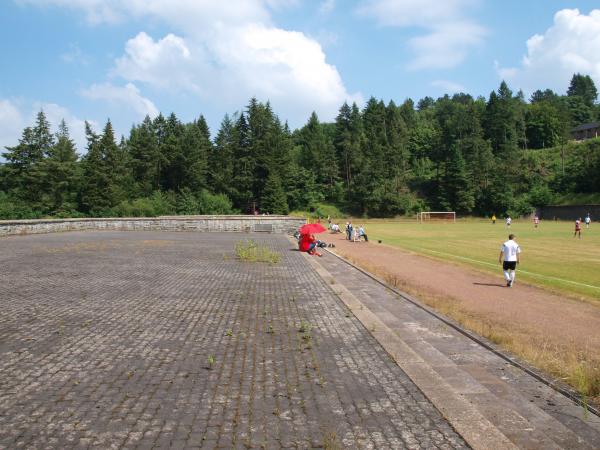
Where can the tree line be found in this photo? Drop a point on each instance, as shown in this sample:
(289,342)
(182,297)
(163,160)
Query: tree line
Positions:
(470,155)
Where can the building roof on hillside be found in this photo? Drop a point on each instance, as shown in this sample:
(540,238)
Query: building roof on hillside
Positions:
(587,126)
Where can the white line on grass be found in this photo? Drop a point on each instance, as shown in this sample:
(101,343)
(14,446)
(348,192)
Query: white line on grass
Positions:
(547,277)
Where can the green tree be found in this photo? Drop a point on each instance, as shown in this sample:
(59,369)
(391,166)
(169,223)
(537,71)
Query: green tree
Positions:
(583,86)
(455,186)
(104,172)
(544,124)
(61,173)
(221,158)
(243,168)
(273,199)
(146,158)
(23,171)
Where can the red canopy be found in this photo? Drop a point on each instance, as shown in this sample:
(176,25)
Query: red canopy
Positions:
(312,228)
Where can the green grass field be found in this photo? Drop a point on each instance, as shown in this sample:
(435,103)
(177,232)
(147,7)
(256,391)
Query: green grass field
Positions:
(550,256)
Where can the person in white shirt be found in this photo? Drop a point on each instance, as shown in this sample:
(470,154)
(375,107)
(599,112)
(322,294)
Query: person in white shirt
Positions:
(508,221)
(587,220)
(509,251)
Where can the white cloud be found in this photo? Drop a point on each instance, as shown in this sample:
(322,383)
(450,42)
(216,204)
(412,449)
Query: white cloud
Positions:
(11,124)
(15,116)
(223,52)
(571,45)
(189,14)
(167,62)
(448,87)
(449,33)
(128,96)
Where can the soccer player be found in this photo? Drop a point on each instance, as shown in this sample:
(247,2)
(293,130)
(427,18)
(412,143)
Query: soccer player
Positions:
(536,221)
(508,222)
(510,251)
(587,219)
(578,228)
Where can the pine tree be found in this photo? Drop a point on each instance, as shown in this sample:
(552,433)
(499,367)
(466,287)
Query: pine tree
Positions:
(104,172)
(273,200)
(221,159)
(24,176)
(317,154)
(170,134)
(196,148)
(61,173)
(146,158)
(583,86)
(243,168)
(455,186)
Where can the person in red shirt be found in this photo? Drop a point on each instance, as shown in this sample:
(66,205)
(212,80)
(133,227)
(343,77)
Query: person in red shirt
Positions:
(308,243)
(578,228)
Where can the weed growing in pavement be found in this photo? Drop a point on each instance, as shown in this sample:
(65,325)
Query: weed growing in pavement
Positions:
(229,332)
(330,441)
(211,362)
(305,327)
(306,337)
(250,251)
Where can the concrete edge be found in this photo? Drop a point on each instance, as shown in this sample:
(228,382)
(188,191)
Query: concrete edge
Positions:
(468,422)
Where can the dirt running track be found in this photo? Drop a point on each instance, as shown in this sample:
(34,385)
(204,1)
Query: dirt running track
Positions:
(556,324)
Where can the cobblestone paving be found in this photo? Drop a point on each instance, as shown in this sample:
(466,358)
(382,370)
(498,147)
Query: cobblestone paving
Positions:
(166,340)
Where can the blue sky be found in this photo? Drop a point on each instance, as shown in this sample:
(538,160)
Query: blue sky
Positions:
(122,59)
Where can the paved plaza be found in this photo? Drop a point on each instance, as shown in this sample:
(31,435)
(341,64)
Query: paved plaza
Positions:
(166,340)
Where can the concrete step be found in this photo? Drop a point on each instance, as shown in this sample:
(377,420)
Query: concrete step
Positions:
(489,401)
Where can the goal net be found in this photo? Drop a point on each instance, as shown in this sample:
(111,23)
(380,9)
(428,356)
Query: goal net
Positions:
(429,216)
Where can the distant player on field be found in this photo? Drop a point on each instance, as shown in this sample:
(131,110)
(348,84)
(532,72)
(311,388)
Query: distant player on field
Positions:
(509,251)
(587,219)
(578,228)
(508,222)
(536,221)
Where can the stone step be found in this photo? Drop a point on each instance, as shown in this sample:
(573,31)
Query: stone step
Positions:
(490,402)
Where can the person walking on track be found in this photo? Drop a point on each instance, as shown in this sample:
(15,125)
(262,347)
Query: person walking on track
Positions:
(509,257)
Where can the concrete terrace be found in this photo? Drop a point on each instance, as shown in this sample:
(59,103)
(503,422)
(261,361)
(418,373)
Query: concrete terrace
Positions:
(166,340)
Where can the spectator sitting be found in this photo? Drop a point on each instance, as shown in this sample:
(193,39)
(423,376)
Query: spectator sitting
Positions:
(361,233)
(335,228)
(308,243)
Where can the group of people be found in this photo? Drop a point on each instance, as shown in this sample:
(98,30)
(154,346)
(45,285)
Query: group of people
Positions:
(536,223)
(309,243)
(352,233)
(355,234)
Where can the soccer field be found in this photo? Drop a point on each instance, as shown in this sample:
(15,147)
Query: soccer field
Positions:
(550,256)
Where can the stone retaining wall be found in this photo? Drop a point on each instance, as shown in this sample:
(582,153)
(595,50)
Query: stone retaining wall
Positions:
(274,224)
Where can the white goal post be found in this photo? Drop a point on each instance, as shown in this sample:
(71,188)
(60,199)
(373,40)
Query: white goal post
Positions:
(428,216)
